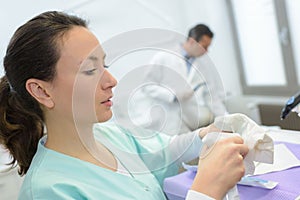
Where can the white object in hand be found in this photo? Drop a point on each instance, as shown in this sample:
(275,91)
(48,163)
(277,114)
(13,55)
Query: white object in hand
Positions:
(261,146)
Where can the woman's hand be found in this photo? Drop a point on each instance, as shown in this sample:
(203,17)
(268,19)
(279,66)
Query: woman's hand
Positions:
(221,167)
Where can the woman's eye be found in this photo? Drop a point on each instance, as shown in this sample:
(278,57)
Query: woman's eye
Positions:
(106,66)
(90,72)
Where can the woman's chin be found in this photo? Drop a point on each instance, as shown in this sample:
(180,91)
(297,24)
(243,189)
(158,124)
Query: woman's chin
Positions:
(104,117)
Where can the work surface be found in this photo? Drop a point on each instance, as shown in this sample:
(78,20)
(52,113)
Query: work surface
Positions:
(288,188)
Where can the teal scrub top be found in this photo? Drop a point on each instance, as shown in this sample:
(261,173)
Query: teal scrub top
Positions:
(53,175)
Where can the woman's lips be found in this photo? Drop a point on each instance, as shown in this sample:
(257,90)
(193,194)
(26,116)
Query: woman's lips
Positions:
(108,103)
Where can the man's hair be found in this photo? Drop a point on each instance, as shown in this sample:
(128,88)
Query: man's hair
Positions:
(198,31)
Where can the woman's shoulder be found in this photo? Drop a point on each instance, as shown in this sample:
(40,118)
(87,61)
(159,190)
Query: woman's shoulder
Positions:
(60,177)
(47,184)
(50,174)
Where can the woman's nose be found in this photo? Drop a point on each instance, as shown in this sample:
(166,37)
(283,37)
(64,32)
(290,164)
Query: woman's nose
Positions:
(109,81)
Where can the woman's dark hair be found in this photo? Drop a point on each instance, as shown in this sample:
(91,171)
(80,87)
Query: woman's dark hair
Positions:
(33,52)
(198,31)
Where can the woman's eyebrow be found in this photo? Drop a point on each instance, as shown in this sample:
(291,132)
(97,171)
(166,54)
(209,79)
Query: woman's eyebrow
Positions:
(93,58)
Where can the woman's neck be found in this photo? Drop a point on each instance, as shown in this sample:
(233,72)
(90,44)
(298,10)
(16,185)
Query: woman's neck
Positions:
(79,142)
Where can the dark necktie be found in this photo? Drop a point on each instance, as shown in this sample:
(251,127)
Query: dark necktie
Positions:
(188,61)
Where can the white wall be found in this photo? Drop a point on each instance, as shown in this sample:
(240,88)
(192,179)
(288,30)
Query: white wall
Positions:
(14,13)
(112,17)
(215,14)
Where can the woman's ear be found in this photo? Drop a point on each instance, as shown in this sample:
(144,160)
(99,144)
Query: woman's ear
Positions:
(38,90)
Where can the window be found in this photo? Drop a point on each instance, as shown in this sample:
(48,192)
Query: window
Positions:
(266,35)
(293,15)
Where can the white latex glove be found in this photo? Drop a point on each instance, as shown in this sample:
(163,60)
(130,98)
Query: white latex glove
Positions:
(261,146)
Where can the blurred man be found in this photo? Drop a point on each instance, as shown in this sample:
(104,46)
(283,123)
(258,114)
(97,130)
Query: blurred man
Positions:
(182,92)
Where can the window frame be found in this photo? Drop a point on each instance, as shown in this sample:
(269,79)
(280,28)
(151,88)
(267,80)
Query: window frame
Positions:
(292,85)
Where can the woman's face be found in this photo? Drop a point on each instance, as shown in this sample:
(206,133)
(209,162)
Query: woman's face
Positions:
(82,87)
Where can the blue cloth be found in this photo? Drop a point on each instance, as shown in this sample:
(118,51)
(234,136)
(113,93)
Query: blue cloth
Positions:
(53,175)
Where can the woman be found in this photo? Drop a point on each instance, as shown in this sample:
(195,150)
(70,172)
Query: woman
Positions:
(55,77)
